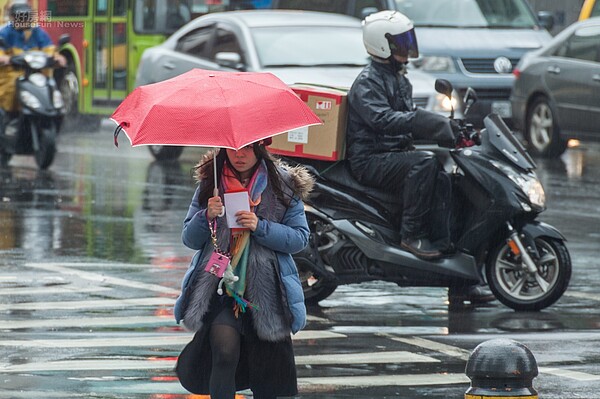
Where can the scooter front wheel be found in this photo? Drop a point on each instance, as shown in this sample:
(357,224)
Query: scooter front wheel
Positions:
(44,155)
(518,289)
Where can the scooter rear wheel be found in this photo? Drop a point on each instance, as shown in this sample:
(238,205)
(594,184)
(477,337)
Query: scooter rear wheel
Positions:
(516,288)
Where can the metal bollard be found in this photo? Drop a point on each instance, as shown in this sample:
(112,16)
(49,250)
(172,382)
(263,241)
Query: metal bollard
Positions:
(501,369)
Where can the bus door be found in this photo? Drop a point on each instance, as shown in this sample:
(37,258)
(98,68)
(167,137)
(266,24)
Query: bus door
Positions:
(109,53)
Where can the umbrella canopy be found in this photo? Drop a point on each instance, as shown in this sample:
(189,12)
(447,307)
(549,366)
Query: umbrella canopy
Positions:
(211,109)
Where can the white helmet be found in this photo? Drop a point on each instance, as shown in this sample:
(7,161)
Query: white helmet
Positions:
(389,32)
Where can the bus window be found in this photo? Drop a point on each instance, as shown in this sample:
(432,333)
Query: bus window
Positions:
(119,58)
(160,16)
(67,8)
(144,16)
(101,64)
(120,8)
(178,14)
(101,7)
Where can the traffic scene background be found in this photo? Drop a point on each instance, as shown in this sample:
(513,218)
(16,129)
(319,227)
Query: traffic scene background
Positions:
(91,263)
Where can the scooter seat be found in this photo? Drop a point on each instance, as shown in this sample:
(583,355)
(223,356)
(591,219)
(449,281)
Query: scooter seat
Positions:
(339,173)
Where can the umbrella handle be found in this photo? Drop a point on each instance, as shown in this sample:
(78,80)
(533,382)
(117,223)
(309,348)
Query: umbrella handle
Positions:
(215,194)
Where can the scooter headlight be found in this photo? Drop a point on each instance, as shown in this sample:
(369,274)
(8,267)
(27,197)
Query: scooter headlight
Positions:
(528,182)
(36,60)
(38,79)
(29,100)
(57,99)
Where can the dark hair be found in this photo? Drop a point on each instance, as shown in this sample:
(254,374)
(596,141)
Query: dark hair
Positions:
(261,153)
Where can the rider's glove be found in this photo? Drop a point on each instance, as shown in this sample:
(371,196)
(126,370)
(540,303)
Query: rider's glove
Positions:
(405,142)
(455,126)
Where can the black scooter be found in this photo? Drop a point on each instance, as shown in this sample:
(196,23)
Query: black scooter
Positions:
(34,128)
(491,223)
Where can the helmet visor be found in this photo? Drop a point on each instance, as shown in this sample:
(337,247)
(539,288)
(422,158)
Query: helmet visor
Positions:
(404,44)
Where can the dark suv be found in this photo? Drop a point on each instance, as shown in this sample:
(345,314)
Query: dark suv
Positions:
(476,43)
(355,8)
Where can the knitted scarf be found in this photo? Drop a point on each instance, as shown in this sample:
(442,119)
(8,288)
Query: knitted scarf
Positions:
(240,239)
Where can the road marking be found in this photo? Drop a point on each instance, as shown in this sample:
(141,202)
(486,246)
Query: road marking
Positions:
(449,350)
(365,358)
(582,295)
(84,322)
(97,304)
(102,278)
(574,375)
(179,339)
(51,290)
(320,384)
(158,364)
(87,322)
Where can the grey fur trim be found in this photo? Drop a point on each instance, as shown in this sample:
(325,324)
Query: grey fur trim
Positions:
(204,287)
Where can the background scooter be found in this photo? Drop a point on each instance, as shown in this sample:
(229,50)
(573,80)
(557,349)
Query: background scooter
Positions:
(33,129)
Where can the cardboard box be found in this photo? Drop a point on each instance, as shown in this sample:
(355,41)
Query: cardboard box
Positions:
(325,142)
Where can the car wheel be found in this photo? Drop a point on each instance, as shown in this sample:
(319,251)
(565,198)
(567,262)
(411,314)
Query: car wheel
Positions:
(542,131)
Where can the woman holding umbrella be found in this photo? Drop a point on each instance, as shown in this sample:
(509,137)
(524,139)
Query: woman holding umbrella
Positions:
(243,321)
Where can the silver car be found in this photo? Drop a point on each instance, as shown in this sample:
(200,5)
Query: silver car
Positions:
(556,95)
(296,46)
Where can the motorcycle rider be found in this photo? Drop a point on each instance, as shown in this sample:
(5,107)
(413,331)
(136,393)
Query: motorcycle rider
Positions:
(382,121)
(19,35)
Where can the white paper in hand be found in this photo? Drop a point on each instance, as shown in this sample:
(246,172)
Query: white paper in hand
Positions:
(235,202)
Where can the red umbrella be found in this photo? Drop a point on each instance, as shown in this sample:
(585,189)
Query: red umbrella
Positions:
(211,109)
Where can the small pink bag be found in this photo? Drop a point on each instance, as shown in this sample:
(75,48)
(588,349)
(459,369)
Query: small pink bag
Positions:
(217,264)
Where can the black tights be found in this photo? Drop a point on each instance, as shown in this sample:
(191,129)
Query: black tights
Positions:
(225,347)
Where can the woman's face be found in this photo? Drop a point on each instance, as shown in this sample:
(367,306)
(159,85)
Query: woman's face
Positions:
(242,160)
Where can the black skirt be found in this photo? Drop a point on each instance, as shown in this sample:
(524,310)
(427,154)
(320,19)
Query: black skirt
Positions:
(267,368)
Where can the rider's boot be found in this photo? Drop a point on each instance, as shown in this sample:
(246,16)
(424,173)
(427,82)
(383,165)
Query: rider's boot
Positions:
(421,248)
(474,294)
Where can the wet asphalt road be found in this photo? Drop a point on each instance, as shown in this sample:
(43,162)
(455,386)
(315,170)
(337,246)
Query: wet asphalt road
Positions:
(91,261)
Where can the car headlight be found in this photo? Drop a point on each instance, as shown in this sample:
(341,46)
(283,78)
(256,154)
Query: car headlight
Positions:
(29,100)
(528,182)
(444,104)
(432,63)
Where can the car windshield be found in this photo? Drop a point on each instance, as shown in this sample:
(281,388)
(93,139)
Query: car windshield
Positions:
(513,14)
(303,46)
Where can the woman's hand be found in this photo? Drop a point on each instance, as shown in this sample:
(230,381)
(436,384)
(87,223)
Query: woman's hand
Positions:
(247,219)
(214,207)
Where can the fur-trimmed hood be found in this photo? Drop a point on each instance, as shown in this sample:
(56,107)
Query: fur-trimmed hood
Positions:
(299,176)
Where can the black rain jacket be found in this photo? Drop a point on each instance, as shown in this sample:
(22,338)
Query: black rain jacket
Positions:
(382,117)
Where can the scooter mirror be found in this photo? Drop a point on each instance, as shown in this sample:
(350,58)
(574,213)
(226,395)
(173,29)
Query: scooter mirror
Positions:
(469,99)
(64,39)
(444,87)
